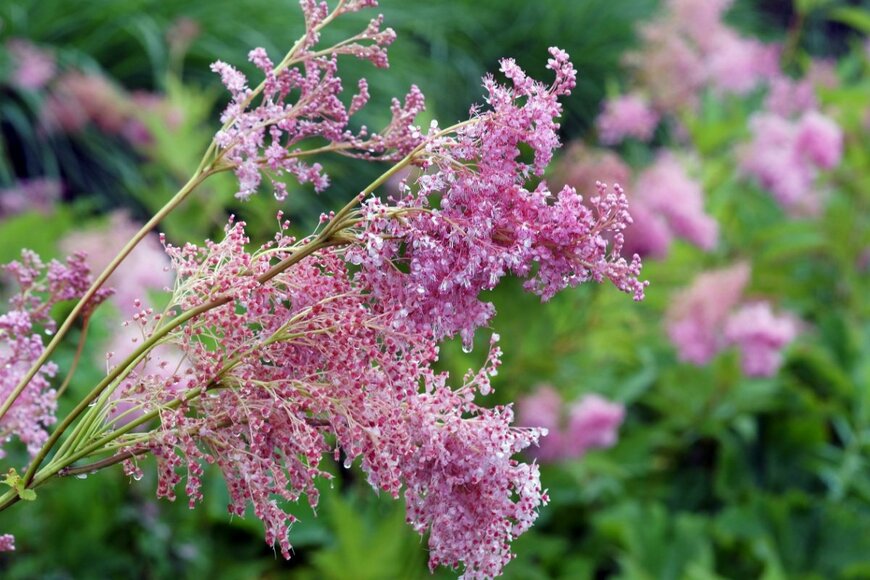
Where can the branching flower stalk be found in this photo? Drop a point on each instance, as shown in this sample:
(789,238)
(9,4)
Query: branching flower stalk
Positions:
(267,361)
(211,163)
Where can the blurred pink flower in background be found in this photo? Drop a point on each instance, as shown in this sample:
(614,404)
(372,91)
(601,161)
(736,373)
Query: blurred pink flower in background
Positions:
(696,314)
(705,319)
(626,116)
(593,422)
(665,202)
(33,67)
(699,17)
(667,190)
(820,140)
(738,65)
(543,408)
(79,99)
(784,156)
(147,267)
(588,423)
(34,194)
(649,235)
(581,167)
(7,543)
(690,47)
(668,66)
(760,335)
(787,96)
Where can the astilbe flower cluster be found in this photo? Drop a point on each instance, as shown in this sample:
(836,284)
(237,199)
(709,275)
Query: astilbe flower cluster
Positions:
(39,287)
(332,353)
(708,317)
(300,105)
(571,429)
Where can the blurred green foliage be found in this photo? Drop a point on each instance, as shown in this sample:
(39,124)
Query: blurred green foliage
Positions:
(715,475)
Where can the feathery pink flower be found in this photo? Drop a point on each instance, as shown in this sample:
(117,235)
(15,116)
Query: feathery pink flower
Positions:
(269,136)
(486,223)
(305,357)
(334,354)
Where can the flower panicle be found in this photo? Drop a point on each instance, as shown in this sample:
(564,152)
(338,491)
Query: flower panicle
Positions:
(299,108)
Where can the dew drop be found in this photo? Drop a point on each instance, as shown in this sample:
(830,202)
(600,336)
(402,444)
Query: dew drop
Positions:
(348,463)
(137,476)
(467,348)
(81,476)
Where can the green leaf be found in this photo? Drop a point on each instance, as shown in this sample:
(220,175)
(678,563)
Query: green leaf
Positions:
(15,481)
(855,17)
(808,6)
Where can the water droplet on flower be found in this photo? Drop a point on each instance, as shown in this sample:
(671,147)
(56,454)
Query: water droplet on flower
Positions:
(467,348)
(137,476)
(49,332)
(348,463)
